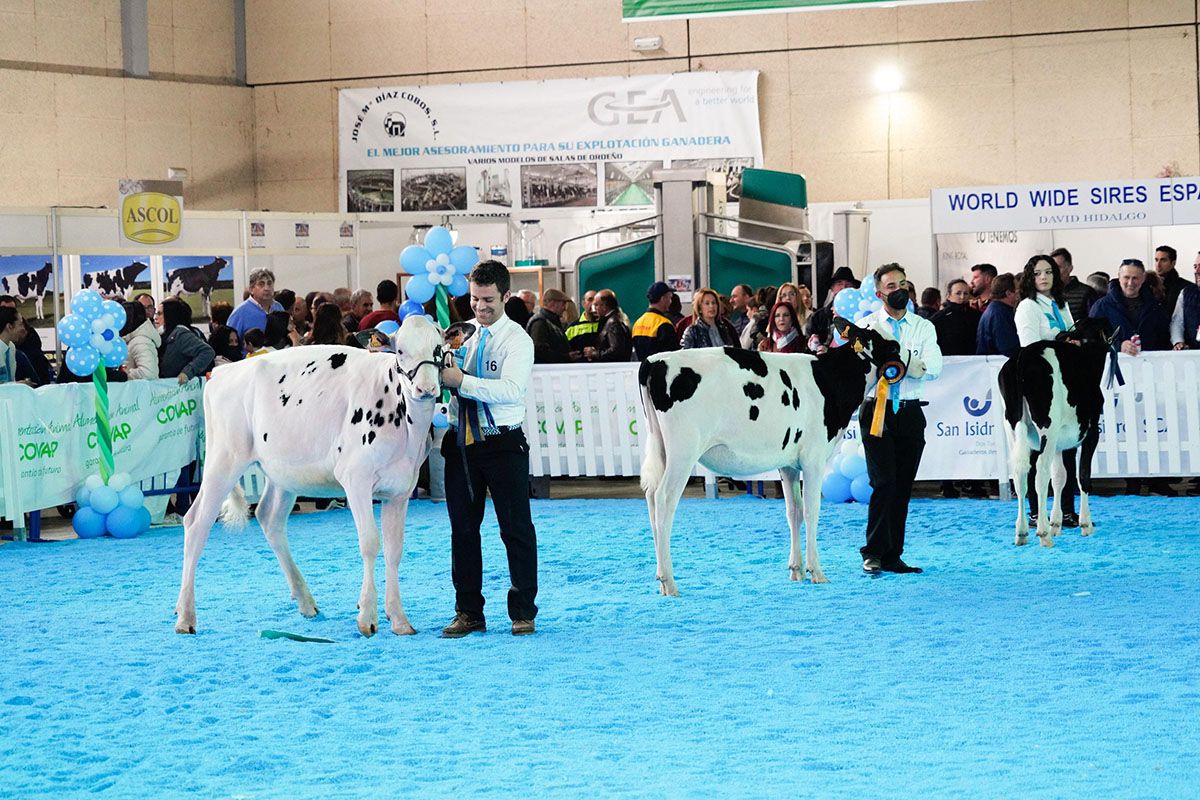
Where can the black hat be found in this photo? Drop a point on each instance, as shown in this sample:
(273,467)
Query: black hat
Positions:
(657,290)
(844,274)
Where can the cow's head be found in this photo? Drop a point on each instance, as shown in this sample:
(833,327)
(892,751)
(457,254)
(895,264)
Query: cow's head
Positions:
(874,348)
(418,346)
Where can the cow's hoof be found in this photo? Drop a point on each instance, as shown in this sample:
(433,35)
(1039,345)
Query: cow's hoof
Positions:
(403,629)
(1087,530)
(819,577)
(795,574)
(183,627)
(1021,540)
(668,588)
(310,610)
(1046,540)
(367,629)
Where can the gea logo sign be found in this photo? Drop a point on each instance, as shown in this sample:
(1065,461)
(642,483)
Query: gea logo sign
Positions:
(151,211)
(634,108)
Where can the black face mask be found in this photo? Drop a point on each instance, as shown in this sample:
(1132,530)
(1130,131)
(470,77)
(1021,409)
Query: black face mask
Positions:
(898,299)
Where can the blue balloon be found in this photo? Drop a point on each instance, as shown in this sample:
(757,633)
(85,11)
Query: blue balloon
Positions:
(72,331)
(87,523)
(836,488)
(103,500)
(414,258)
(860,488)
(464,259)
(81,496)
(119,481)
(388,327)
(458,286)
(853,465)
(143,519)
(131,496)
(846,302)
(410,307)
(438,240)
(123,522)
(115,310)
(87,304)
(116,357)
(82,360)
(419,288)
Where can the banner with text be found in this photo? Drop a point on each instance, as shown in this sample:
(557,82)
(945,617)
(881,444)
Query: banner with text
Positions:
(155,425)
(500,147)
(635,10)
(1051,206)
(1007,251)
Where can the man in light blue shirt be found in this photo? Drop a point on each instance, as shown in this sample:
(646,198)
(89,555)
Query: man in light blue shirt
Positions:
(893,457)
(252,312)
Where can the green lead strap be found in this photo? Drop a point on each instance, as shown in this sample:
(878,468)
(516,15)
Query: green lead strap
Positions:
(295,637)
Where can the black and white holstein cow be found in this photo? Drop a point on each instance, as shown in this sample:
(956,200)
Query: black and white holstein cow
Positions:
(114,282)
(740,412)
(196,280)
(1052,402)
(29,286)
(321,421)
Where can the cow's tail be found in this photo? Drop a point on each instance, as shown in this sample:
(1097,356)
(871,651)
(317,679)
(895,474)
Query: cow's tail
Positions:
(654,458)
(235,511)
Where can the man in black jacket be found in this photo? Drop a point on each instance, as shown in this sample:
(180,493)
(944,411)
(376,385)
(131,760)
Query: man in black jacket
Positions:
(1173,284)
(614,344)
(546,329)
(957,323)
(1079,295)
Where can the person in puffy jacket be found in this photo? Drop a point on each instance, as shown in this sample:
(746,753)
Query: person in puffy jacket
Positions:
(183,351)
(143,341)
(709,328)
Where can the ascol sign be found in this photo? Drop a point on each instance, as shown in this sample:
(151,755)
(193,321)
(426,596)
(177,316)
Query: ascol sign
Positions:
(151,211)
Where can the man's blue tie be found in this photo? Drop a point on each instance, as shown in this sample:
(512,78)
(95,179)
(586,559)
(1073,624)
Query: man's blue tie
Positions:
(470,428)
(896,394)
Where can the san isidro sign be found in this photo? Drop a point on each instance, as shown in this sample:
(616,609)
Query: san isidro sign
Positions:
(1051,206)
(151,211)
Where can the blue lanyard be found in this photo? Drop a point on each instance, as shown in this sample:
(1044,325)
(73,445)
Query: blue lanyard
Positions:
(1055,319)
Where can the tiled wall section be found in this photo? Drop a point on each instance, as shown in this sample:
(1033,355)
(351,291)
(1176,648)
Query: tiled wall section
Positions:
(995,91)
(66,139)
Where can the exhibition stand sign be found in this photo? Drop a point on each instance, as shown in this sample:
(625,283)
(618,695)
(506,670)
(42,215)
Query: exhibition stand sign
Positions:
(531,145)
(53,446)
(635,10)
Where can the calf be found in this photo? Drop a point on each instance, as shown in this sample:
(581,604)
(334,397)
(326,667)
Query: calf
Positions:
(29,286)
(789,414)
(114,282)
(1052,402)
(321,421)
(193,280)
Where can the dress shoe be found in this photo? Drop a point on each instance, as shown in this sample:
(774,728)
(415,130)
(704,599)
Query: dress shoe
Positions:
(1070,520)
(901,568)
(522,627)
(871,566)
(462,625)
(1033,521)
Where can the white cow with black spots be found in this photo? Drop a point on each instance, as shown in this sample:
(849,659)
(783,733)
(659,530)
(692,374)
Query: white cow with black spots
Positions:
(740,412)
(321,421)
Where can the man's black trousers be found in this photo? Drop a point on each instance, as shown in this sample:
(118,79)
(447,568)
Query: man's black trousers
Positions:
(499,464)
(892,462)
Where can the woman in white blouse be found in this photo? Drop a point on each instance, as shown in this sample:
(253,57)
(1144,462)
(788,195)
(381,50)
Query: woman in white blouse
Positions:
(1043,315)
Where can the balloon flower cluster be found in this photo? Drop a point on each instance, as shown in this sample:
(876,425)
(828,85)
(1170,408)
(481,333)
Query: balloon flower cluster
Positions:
(116,508)
(92,331)
(846,476)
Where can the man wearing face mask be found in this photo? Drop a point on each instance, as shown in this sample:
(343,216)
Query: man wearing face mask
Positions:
(893,457)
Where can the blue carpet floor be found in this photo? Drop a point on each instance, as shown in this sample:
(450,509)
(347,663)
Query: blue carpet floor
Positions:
(1001,672)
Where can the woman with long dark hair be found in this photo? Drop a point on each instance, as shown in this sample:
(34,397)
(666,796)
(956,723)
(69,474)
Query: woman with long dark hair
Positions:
(327,326)
(1043,315)
(183,352)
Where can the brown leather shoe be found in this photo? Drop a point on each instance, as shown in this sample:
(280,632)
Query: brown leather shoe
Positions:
(462,625)
(522,627)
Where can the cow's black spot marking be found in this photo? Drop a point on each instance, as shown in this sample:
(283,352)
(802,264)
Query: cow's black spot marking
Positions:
(357,417)
(378,421)
(753,390)
(399,420)
(787,435)
(339,448)
(283,398)
(310,365)
(364,439)
(408,418)
(281,377)
(389,380)
(653,375)
(379,403)
(337,359)
(370,437)
(753,413)
(796,437)
(795,398)
(783,376)
(748,359)
(264,437)
(785,399)
(300,402)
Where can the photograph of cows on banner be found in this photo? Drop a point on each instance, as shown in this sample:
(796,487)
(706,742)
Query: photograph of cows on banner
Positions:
(199,280)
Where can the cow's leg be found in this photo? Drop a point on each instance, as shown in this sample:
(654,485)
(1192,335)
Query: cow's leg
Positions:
(792,501)
(221,474)
(208,303)
(392,516)
(812,510)
(358,497)
(1019,452)
(272,512)
(666,500)
(39,310)
(1058,481)
(1086,450)
(1041,485)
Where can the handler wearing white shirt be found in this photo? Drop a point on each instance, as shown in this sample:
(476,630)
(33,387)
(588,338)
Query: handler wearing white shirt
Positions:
(893,458)
(485,450)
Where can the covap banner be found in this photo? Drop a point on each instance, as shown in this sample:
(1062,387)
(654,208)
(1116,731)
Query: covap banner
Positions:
(499,147)
(155,425)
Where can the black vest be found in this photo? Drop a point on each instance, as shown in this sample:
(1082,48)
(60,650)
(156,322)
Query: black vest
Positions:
(1191,316)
